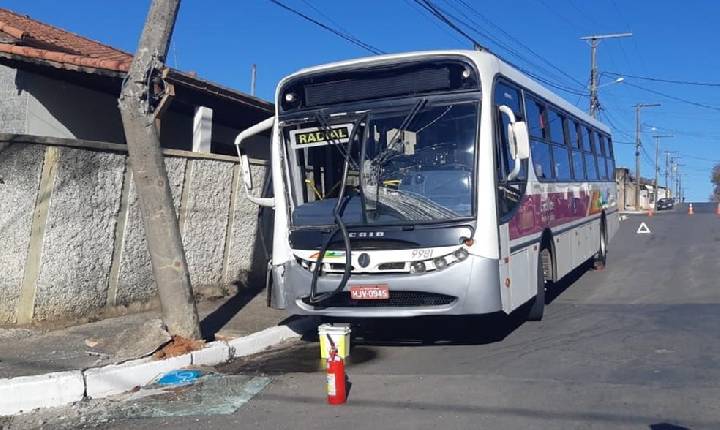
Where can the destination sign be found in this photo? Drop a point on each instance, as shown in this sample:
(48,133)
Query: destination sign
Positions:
(315,136)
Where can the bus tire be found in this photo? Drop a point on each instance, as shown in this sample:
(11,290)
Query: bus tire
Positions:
(537,305)
(600,258)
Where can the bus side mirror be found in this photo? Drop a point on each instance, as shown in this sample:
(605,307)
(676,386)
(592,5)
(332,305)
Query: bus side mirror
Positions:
(518,140)
(245,170)
(522,140)
(245,161)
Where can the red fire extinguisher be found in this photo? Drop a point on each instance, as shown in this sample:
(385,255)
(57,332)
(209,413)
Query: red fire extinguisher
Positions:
(336,394)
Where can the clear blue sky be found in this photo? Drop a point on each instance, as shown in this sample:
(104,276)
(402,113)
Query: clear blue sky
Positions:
(220,39)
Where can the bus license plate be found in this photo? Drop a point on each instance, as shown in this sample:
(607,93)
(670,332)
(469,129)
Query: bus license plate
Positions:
(370,292)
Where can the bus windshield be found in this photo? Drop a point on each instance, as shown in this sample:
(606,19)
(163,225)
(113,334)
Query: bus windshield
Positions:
(408,165)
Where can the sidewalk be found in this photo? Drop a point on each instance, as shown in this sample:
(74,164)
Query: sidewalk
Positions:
(41,369)
(36,351)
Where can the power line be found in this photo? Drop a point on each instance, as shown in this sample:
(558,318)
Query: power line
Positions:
(445,30)
(430,7)
(667,81)
(440,15)
(346,36)
(324,15)
(690,102)
(474,26)
(512,38)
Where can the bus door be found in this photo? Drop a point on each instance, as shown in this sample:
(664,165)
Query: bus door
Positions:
(511,185)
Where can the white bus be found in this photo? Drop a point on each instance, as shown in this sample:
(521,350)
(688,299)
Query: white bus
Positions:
(430,183)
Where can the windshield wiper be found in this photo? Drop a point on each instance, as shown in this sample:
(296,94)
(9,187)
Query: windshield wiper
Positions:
(325,127)
(342,201)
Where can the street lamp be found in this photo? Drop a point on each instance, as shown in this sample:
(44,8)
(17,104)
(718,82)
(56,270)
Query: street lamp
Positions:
(616,81)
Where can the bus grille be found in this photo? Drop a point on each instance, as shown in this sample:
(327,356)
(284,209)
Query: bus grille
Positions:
(397,299)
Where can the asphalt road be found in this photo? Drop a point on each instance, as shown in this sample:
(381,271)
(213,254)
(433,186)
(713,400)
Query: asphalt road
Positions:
(635,346)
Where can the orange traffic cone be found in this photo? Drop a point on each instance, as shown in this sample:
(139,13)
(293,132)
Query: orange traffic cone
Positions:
(717,210)
(690,210)
(650,211)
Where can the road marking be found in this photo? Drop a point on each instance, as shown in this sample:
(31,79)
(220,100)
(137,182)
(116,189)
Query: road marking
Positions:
(643,229)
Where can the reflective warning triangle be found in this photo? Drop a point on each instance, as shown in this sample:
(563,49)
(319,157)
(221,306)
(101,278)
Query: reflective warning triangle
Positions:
(643,229)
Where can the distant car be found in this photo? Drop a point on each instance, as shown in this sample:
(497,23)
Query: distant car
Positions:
(665,203)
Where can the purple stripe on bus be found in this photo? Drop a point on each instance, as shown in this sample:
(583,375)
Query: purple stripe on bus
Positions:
(538,211)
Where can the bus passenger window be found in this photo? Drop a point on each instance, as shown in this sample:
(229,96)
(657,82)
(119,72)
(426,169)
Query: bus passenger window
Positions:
(576,150)
(560,153)
(555,122)
(586,142)
(541,158)
(539,149)
(536,119)
(602,160)
(591,167)
(610,158)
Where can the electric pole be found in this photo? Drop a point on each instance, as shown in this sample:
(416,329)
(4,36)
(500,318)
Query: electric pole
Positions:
(637,150)
(594,41)
(672,175)
(678,181)
(142,93)
(252,79)
(667,168)
(657,166)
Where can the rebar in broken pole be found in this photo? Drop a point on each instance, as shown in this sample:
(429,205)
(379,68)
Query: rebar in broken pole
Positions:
(146,161)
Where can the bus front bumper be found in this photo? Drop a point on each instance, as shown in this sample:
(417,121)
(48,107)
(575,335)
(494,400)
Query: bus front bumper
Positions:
(469,287)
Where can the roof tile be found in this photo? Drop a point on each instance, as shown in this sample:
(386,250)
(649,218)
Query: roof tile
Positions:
(35,39)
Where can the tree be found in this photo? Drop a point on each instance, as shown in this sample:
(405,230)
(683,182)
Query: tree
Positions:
(138,102)
(715,179)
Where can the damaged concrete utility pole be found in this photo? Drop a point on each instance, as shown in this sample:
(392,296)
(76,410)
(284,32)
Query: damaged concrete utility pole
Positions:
(140,101)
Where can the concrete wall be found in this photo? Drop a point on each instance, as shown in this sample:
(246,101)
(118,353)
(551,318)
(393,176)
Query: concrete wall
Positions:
(31,103)
(13,103)
(72,234)
(34,104)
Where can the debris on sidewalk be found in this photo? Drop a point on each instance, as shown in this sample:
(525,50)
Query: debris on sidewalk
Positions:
(132,343)
(178,346)
(41,349)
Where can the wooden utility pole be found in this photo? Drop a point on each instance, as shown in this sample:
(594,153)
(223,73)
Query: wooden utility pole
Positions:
(139,99)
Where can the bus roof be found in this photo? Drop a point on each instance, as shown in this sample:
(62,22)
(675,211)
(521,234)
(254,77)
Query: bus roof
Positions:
(486,61)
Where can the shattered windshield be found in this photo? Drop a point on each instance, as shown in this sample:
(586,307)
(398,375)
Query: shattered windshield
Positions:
(406,165)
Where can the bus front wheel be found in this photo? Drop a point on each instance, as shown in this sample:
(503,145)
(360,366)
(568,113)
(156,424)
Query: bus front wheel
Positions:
(537,307)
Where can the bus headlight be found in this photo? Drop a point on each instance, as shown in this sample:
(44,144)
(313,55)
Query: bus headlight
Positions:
(461,254)
(440,263)
(417,267)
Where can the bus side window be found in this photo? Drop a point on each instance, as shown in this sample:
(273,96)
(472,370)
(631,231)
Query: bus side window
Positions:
(611,158)
(590,165)
(603,161)
(509,192)
(560,154)
(539,147)
(576,150)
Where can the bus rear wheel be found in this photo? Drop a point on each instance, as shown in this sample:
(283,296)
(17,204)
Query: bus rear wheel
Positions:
(537,307)
(600,259)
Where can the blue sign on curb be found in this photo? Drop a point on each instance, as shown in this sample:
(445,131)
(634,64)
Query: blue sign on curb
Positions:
(179,377)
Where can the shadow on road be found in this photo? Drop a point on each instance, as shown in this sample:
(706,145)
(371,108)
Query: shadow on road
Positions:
(559,287)
(445,330)
(450,330)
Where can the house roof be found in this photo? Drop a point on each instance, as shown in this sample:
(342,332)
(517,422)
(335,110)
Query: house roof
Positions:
(24,36)
(33,42)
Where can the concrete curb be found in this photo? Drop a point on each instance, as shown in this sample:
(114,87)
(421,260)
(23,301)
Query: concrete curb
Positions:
(25,393)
